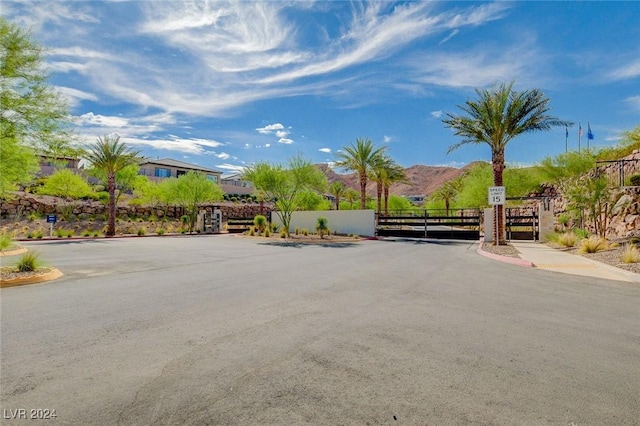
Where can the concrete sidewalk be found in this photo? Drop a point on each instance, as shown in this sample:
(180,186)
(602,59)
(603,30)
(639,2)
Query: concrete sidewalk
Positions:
(544,257)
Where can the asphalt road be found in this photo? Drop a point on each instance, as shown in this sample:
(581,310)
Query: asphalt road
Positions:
(227,330)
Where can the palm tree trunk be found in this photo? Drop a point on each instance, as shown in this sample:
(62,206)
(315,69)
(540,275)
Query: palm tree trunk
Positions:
(379,195)
(337,202)
(386,200)
(497,159)
(363,192)
(111,184)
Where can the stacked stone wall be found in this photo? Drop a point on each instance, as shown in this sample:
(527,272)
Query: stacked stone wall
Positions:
(25,204)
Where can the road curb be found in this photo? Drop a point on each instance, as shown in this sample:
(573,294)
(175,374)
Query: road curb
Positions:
(505,259)
(52,274)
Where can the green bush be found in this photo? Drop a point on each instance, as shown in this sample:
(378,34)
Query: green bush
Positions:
(141,231)
(5,241)
(28,262)
(267,232)
(86,233)
(322,226)
(581,233)
(567,239)
(631,254)
(635,180)
(60,233)
(260,222)
(160,231)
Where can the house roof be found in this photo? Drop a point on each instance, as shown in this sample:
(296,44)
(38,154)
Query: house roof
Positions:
(180,164)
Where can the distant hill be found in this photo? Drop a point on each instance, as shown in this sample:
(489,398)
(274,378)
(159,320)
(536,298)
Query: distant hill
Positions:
(423,180)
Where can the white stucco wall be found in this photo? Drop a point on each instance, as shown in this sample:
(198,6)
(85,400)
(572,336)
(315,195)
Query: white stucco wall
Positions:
(359,222)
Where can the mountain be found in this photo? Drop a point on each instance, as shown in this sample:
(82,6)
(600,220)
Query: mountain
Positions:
(422,180)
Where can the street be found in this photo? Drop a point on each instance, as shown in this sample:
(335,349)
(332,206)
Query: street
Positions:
(234,330)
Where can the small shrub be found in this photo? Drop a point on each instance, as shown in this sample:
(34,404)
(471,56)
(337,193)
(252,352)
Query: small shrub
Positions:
(283,233)
(304,232)
(635,180)
(30,234)
(296,231)
(321,226)
(252,231)
(184,219)
(33,217)
(274,227)
(563,220)
(97,234)
(5,241)
(567,239)
(141,231)
(39,234)
(159,231)
(631,254)
(60,232)
(593,244)
(70,233)
(267,232)
(153,218)
(581,233)
(87,233)
(28,262)
(260,222)
(553,237)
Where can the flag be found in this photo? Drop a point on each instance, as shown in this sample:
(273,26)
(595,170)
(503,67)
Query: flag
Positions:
(566,131)
(589,132)
(580,130)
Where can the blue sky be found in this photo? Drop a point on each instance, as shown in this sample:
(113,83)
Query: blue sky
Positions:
(225,84)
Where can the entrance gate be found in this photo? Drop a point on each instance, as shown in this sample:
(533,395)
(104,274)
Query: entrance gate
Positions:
(522,223)
(459,224)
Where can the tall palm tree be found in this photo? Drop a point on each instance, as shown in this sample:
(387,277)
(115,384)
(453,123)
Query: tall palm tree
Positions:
(495,118)
(111,156)
(338,190)
(360,157)
(379,174)
(447,193)
(395,174)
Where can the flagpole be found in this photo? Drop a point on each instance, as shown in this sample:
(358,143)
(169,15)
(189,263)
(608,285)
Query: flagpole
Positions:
(588,134)
(566,139)
(579,135)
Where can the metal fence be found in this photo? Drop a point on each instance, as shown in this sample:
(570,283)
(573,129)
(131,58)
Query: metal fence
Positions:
(618,172)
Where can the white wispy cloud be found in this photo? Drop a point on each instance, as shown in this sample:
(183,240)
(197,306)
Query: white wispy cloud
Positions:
(626,71)
(386,139)
(436,114)
(325,150)
(285,141)
(634,101)
(450,36)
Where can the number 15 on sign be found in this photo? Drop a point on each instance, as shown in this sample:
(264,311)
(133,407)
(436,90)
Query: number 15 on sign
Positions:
(497,195)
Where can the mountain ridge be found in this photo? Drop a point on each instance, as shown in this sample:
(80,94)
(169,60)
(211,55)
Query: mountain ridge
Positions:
(422,180)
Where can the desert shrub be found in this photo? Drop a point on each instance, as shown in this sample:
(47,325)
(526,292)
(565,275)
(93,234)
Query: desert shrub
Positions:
(141,231)
(39,234)
(267,232)
(86,233)
(563,220)
(153,218)
(322,226)
(34,216)
(304,232)
(184,219)
(581,233)
(97,234)
(260,222)
(159,231)
(631,254)
(593,244)
(252,231)
(28,262)
(283,233)
(296,231)
(553,237)
(635,180)
(567,239)
(60,232)
(70,233)
(274,227)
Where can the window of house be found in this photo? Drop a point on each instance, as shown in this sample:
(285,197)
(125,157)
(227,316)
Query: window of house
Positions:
(161,172)
(213,178)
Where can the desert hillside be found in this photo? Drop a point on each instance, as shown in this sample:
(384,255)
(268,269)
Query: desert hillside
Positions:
(423,180)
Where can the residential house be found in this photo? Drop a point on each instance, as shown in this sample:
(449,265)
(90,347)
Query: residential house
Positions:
(166,168)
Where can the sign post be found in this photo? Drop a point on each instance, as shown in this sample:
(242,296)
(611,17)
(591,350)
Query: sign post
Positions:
(497,197)
(51,219)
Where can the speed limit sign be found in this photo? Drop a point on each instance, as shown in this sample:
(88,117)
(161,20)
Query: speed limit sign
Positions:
(497,195)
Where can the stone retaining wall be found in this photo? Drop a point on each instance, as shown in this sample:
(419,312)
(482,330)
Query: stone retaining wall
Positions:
(26,204)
